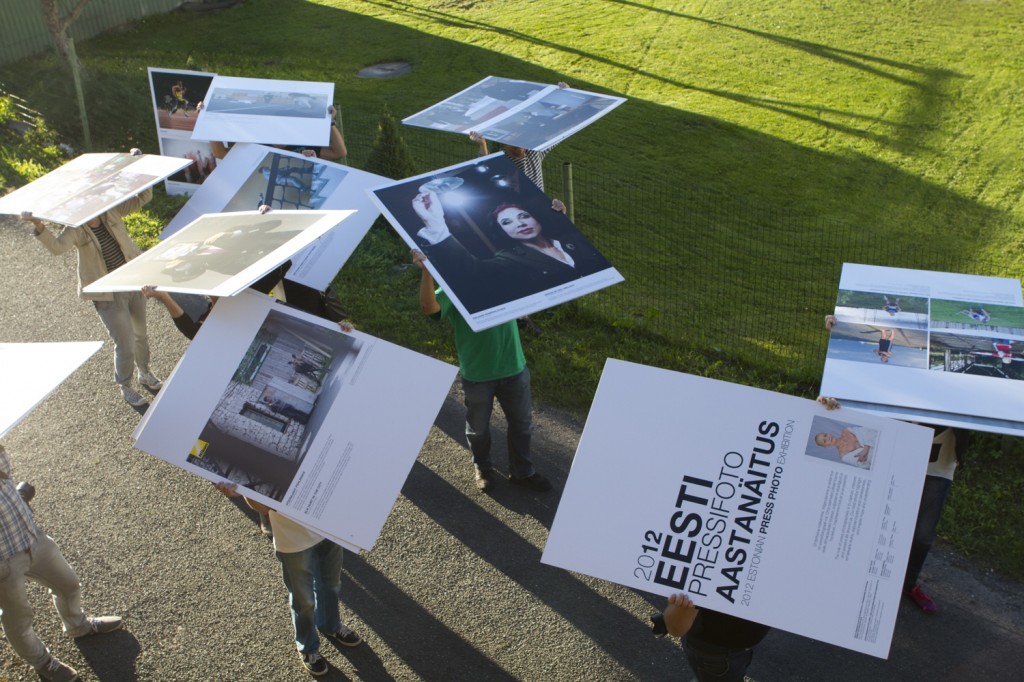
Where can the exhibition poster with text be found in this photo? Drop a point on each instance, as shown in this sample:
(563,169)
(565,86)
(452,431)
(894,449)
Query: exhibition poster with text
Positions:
(935,347)
(751,502)
(319,424)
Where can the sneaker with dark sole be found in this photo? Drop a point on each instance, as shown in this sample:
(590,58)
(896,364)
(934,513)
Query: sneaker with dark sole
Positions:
(534,482)
(344,636)
(484,479)
(55,671)
(314,664)
(923,601)
(101,625)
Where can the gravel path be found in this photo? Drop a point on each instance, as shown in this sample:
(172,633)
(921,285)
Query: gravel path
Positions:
(453,590)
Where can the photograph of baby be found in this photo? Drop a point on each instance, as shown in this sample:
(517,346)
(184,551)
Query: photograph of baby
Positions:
(275,404)
(837,441)
(490,234)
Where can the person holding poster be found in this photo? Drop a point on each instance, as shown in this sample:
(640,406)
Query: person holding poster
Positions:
(28,553)
(492,366)
(311,568)
(530,162)
(718,647)
(104,245)
(528,260)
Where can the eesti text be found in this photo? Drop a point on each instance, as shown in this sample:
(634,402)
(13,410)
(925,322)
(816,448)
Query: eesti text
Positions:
(688,562)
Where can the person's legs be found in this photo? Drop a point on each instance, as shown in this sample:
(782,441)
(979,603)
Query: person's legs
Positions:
(296,568)
(117,319)
(479,401)
(327,559)
(717,664)
(933,500)
(513,395)
(137,313)
(50,569)
(17,612)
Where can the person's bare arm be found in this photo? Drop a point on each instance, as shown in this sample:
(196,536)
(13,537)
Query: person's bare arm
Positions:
(481,143)
(428,299)
(150,291)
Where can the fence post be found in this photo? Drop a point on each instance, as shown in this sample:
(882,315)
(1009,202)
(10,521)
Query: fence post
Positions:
(570,207)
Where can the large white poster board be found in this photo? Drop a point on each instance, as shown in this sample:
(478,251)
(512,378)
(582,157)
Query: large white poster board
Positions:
(31,371)
(266,111)
(493,241)
(252,175)
(687,484)
(222,253)
(89,185)
(942,348)
(175,96)
(517,113)
(321,425)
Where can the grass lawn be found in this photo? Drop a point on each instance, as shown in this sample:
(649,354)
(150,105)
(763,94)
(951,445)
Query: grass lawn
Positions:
(877,131)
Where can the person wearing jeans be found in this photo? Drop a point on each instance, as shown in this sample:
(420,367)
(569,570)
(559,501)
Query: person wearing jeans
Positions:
(311,568)
(492,366)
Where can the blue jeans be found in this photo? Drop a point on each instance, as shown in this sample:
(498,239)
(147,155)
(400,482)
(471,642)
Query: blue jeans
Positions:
(513,394)
(313,579)
(933,499)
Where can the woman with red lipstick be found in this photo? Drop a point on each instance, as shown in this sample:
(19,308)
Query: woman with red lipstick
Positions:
(528,258)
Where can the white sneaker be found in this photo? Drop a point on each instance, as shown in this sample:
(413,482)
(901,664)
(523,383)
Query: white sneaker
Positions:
(132,397)
(150,382)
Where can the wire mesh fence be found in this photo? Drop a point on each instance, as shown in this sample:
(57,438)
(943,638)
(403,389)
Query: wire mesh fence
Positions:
(702,268)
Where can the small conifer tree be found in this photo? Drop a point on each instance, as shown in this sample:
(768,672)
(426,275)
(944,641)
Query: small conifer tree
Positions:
(390,156)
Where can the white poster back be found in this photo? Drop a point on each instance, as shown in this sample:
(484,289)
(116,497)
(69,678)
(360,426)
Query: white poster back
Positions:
(89,185)
(266,111)
(221,254)
(31,371)
(936,347)
(517,113)
(687,484)
(321,425)
(252,175)
(482,225)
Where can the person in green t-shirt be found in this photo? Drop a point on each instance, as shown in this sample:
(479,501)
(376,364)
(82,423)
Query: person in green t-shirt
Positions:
(492,366)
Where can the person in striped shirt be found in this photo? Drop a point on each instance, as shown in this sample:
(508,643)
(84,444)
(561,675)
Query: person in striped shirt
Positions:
(104,245)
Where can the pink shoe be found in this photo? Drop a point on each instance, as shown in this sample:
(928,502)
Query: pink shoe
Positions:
(923,601)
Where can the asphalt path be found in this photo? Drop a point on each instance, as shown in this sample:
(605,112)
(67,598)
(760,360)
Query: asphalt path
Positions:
(453,590)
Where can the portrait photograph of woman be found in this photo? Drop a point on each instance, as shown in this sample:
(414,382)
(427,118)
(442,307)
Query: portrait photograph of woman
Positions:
(498,245)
